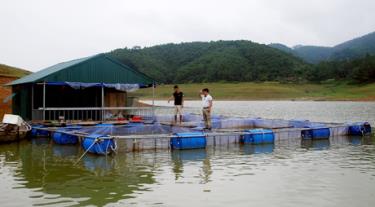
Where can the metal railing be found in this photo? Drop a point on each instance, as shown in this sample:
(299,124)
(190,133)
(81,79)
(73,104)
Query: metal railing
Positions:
(103,114)
(92,113)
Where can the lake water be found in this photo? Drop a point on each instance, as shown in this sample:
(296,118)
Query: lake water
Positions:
(335,172)
(324,111)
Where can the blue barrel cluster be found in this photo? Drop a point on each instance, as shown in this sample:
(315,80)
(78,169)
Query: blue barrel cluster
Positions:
(188,140)
(62,136)
(258,136)
(99,144)
(359,129)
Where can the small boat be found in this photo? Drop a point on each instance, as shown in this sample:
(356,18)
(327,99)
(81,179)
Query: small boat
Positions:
(13,128)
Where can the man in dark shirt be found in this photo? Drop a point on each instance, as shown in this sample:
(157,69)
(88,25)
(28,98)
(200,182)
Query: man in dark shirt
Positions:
(178,97)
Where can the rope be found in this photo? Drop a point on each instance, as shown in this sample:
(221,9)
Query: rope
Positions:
(114,146)
(95,141)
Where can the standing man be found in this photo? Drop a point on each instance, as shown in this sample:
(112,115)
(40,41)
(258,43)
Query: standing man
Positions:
(207,105)
(178,97)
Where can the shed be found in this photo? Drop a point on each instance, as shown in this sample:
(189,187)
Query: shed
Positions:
(71,89)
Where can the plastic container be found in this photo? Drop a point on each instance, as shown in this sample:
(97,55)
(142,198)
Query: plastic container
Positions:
(188,140)
(60,137)
(258,136)
(136,119)
(359,129)
(316,133)
(99,144)
(39,133)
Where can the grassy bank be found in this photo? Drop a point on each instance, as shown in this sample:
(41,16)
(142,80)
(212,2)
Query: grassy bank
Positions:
(270,91)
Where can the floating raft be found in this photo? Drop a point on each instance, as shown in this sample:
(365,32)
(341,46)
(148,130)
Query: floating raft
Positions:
(104,139)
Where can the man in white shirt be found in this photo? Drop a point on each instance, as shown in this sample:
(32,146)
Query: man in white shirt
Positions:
(207,105)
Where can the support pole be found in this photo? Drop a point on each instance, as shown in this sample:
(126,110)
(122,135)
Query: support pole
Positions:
(153,93)
(102,102)
(153,100)
(44,101)
(32,102)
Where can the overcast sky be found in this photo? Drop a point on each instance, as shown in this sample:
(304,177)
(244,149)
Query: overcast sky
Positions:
(38,33)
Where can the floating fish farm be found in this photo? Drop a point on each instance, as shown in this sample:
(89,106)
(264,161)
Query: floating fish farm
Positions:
(161,133)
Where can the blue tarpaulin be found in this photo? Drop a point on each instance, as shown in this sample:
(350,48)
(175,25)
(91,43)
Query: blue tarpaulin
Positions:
(118,86)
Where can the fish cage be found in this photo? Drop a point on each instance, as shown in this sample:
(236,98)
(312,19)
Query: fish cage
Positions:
(163,133)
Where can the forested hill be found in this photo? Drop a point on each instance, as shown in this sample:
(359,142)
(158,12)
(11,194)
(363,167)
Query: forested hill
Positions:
(6,70)
(213,61)
(349,50)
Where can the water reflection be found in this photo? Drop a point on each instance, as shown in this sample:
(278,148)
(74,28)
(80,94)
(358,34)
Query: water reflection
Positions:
(99,165)
(41,141)
(65,151)
(321,144)
(249,149)
(94,181)
(48,172)
(358,140)
(181,157)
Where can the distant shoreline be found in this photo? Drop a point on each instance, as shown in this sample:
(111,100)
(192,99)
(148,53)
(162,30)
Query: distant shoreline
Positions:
(268,91)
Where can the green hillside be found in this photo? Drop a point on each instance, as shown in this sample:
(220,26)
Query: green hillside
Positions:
(313,54)
(213,61)
(10,71)
(352,49)
(361,70)
(355,48)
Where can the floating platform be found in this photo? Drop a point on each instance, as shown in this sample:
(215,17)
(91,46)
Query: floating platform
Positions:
(164,134)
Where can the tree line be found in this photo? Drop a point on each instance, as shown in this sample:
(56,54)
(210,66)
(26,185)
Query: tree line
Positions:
(237,61)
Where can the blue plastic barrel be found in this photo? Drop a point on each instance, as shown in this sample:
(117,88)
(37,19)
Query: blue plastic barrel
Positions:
(359,129)
(316,133)
(99,144)
(60,137)
(38,132)
(189,140)
(258,136)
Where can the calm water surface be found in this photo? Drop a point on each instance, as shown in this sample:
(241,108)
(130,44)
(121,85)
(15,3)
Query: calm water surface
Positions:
(335,172)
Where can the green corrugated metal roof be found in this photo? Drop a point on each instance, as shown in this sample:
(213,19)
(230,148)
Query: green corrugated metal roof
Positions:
(81,70)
